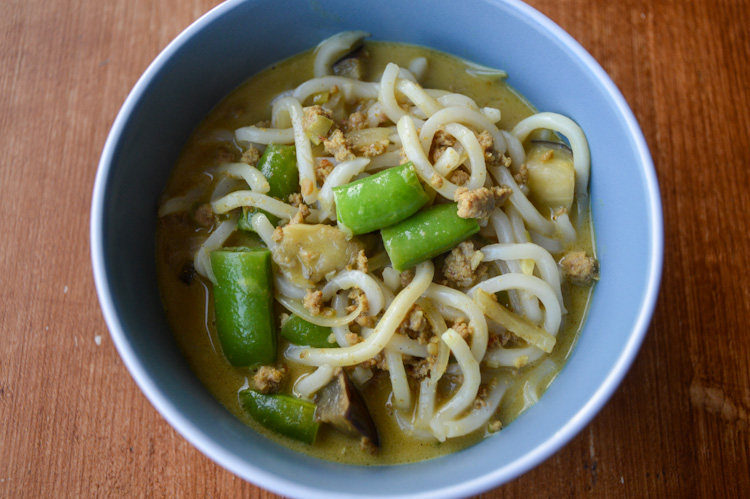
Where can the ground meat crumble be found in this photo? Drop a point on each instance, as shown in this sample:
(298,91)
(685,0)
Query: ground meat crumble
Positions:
(463,328)
(251,156)
(204,215)
(415,325)
(313,301)
(580,268)
(337,145)
(268,379)
(442,141)
(479,203)
(302,212)
(463,266)
(322,169)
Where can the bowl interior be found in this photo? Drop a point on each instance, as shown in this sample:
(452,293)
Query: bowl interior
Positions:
(215,55)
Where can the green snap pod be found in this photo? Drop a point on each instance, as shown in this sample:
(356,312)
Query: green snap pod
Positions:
(290,416)
(243,305)
(279,165)
(426,235)
(300,332)
(380,200)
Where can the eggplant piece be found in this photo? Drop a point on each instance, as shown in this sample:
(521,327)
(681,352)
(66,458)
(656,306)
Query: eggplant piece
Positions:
(187,273)
(340,404)
(350,67)
(335,48)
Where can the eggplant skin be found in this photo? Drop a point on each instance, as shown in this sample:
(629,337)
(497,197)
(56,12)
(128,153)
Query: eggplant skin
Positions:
(340,404)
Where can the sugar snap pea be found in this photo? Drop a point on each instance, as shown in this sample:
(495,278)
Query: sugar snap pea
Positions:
(426,235)
(300,332)
(380,200)
(279,165)
(243,305)
(284,414)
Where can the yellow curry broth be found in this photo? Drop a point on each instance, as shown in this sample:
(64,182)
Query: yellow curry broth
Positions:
(189,308)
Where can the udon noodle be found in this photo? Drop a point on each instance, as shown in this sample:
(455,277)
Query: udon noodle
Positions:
(448,336)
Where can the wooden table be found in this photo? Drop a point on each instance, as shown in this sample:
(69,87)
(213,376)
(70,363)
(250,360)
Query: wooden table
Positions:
(72,421)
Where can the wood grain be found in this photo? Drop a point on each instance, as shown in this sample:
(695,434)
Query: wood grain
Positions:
(72,421)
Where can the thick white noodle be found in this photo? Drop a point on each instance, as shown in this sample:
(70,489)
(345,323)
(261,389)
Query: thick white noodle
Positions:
(574,134)
(407,346)
(307,384)
(255,180)
(566,228)
(224,186)
(401,344)
(180,203)
(303,149)
(439,327)
(464,115)
(418,66)
(550,244)
(333,48)
(425,404)
(468,390)
(288,289)
(544,261)
(415,93)
(383,161)
(529,213)
(348,279)
(376,115)
(392,278)
(351,89)
(280,118)
(388,294)
(387,93)
(405,74)
(477,417)
(219,135)
(529,303)
(457,100)
(296,307)
(264,135)
(339,303)
(513,357)
(492,113)
(384,330)
(415,153)
(264,229)
(515,151)
(361,375)
(532,284)
(238,199)
(533,384)
(501,224)
(476,156)
(516,221)
(450,297)
(202,260)
(448,161)
(340,175)
(399,382)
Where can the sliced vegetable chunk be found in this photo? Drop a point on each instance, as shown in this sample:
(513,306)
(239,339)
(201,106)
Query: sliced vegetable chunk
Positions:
(380,200)
(279,165)
(426,235)
(243,304)
(290,416)
(300,332)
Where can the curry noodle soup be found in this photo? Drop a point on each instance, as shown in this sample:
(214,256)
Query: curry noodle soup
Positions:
(377,253)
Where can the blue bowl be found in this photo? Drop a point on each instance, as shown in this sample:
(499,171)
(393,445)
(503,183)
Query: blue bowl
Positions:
(217,53)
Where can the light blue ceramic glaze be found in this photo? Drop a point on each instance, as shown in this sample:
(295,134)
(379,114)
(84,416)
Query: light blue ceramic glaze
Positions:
(239,38)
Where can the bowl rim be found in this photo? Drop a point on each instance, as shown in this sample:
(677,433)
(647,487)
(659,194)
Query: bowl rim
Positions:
(274,483)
